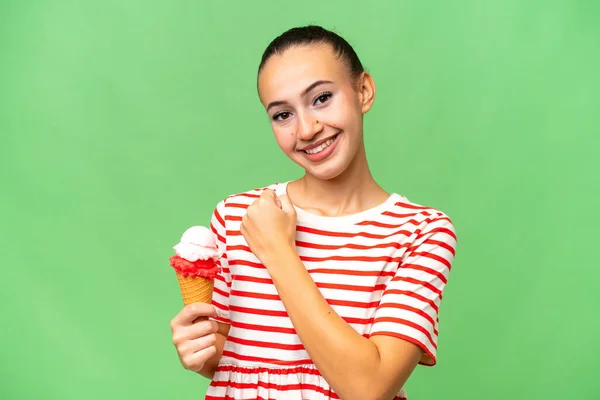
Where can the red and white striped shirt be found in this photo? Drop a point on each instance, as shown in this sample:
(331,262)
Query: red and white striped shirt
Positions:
(382,270)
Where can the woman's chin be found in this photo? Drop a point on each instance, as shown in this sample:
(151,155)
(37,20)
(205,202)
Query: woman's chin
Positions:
(325,172)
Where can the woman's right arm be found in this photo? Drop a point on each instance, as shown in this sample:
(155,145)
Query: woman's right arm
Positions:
(199,344)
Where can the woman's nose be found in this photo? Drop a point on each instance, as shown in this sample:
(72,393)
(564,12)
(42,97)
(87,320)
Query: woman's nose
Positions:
(309,127)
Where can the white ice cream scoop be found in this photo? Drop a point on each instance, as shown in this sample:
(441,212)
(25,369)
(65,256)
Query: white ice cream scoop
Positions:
(198,243)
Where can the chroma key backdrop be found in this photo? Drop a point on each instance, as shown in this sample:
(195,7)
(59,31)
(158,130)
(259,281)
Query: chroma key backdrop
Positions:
(122,123)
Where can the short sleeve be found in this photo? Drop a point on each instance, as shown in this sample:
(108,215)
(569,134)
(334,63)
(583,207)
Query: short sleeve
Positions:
(410,303)
(222,283)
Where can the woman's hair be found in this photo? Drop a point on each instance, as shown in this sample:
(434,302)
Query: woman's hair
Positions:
(314,35)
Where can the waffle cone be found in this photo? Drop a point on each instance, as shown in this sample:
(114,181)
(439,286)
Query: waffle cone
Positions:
(195,289)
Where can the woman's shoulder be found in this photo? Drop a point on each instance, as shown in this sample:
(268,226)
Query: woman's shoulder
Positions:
(403,204)
(418,215)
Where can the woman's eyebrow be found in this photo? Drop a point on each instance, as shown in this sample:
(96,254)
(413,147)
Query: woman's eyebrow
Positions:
(314,85)
(304,92)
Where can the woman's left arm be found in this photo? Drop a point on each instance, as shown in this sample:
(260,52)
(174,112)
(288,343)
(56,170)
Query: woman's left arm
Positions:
(356,367)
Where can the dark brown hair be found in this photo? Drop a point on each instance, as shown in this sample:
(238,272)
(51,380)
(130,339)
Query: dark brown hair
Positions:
(314,35)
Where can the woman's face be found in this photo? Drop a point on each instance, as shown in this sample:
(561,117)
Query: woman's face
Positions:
(316,109)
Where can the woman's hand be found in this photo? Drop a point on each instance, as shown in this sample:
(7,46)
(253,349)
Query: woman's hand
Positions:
(195,342)
(269,227)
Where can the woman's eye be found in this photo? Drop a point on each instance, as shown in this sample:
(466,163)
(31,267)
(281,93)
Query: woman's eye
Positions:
(282,116)
(322,98)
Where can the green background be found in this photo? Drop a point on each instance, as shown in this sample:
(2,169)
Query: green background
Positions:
(124,122)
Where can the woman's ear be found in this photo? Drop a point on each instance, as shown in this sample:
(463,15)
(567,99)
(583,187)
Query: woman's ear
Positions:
(366,91)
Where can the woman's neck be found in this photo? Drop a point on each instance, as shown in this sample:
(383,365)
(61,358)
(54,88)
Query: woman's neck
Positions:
(353,191)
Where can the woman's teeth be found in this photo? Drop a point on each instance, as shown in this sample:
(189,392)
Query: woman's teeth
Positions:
(321,147)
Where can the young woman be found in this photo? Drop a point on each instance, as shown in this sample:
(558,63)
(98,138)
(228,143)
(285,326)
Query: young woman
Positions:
(330,286)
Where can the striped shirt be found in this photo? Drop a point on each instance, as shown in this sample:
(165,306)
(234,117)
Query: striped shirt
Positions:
(382,270)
